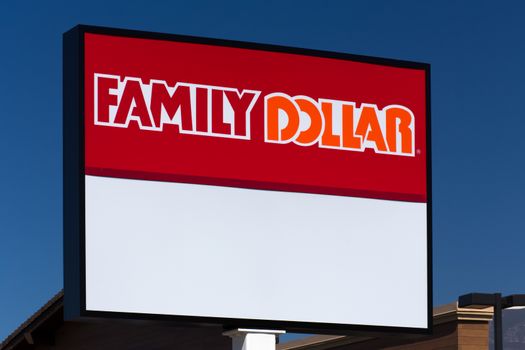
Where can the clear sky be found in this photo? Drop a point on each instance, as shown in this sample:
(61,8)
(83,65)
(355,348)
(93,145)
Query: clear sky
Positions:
(477,53)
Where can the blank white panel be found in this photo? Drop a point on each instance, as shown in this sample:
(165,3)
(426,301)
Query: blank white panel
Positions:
(196,250)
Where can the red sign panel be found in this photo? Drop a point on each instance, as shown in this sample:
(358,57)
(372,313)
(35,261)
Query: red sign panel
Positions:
(190,112)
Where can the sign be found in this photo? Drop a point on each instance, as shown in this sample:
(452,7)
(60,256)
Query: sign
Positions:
(245,185)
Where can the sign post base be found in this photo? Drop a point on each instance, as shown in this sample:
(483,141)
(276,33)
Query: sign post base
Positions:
(253,339)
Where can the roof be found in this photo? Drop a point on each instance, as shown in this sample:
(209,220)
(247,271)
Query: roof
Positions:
(445,314)
(47,329)
(40,329)
(47,317)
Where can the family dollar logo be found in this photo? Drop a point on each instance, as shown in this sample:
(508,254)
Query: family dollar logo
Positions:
(226,112)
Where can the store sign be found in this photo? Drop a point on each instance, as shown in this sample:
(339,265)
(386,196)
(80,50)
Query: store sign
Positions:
(245,185)
(305,121)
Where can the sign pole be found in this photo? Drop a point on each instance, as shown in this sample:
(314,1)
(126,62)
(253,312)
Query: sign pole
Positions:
(253,339)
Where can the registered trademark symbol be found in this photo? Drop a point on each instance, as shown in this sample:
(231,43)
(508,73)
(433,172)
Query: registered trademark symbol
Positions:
(418,151)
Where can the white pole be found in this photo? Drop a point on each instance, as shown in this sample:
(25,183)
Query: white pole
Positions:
(253,339)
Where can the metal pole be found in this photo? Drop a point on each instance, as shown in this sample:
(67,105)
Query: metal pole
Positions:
(498,328)
(253,339)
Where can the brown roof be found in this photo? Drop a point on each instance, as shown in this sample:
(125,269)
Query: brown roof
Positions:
(447,320)
(47,327)
(46,317)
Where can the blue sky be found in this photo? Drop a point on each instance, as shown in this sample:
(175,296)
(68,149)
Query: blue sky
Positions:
(477,53)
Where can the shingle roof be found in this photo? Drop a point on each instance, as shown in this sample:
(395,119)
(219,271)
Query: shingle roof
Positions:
(51,311)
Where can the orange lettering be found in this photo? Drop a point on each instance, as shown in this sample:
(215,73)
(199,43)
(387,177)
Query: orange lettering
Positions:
(310,135)
(349,139)
(274,133)
(393,114)
(368,127)
(329,139)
